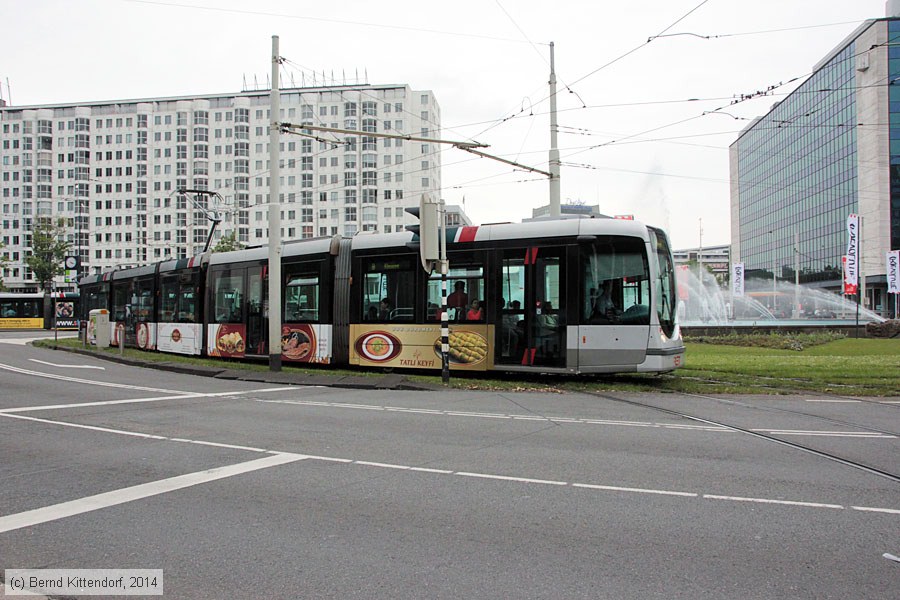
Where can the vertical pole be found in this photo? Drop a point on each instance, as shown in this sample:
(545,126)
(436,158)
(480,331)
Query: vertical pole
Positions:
(796,274)
(730,314)
(554,148)
(861,276)
(445,327)
(274,312)
(774,279)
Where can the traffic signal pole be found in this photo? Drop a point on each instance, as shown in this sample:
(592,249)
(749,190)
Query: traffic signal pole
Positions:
(445,267)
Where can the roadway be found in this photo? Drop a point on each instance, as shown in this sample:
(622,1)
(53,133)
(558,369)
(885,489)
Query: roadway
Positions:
(245,490)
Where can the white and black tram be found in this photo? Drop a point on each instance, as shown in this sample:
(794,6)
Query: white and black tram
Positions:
(567,296)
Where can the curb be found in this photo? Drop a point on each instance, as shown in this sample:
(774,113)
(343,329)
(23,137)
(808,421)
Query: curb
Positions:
(391,381)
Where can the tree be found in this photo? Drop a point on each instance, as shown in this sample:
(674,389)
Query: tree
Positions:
(48,249)
(3,262)
(227,243)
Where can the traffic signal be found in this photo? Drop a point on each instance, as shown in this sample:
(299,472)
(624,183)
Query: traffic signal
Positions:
(428,230)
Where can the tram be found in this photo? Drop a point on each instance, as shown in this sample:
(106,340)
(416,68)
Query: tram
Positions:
(38,311)
(573,296)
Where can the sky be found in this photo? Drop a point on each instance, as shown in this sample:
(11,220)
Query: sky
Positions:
(634,80)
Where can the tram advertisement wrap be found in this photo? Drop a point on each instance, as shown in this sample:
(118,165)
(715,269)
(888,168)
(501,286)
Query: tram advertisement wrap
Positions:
(306,343)
(21,323)
(65,315)
(145,336)
(227,340)
(180,338)
(419,346)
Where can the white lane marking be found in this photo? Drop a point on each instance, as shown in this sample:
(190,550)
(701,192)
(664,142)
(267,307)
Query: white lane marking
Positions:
(182,396)
(614,488)
(488,476)
(44,362)
(89,381)
(123,385)
(510,478)
(858,434)
(572,420)
(831,401)
(382,465)
(98,403)
(890,511)
(138,492)
(772,501)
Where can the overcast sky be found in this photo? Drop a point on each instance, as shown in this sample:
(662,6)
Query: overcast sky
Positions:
(635,126)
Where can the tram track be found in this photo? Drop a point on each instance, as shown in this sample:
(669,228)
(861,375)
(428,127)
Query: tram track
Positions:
(806,414)
(895,477)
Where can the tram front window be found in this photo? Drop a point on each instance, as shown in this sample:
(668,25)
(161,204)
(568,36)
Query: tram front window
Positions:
(616,282)
(665,303)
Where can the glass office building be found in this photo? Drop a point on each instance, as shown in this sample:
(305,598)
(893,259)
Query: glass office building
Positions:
(828,149)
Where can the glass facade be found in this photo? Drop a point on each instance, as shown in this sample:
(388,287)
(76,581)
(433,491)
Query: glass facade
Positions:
(797,169)
(894,97)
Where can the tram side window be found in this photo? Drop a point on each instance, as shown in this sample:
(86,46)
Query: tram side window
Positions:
(301,298)
(96,298)
(228,290)
(121,309)
(143,300)
(168,299)
(389,291)
(8,310)
(187,302)
(616,283)
(466,298)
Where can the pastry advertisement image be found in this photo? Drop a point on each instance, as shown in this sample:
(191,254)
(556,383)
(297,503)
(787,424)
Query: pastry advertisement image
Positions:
(466,347)
(227,340)
(419,346)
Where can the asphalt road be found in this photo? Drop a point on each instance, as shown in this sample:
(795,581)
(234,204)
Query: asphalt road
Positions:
(252,490)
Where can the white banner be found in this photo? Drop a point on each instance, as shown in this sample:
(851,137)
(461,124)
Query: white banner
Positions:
(851,272)
(737,279)
(893,271)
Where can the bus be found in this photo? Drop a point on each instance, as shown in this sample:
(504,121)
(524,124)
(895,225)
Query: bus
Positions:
(39,311)
(576,296)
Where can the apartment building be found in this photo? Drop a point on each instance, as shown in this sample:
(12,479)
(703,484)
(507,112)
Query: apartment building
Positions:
(113,170)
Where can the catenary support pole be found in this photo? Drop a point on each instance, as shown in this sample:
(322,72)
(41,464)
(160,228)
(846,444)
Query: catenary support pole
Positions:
(554,148)
(274,312)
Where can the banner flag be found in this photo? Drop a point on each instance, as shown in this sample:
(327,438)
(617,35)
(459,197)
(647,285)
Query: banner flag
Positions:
(737,278)
(893,272)
(849,288)
(851,271)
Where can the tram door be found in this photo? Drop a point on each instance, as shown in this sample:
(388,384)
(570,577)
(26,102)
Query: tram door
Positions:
(532,330)
(257,316)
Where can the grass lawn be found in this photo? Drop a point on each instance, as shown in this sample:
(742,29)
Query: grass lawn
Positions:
(853,367)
